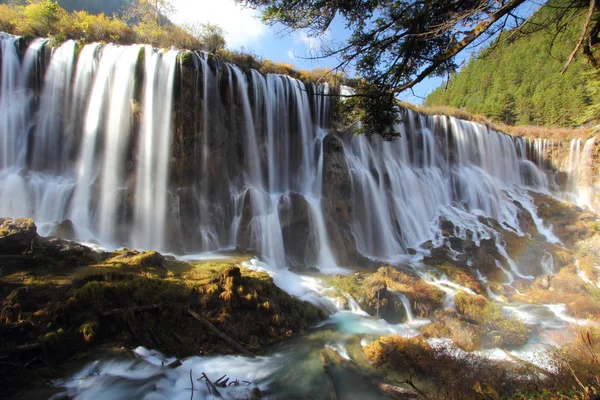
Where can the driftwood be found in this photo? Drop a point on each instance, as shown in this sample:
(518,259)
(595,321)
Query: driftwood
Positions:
(526,363)
(396,392)
(387,390)
(223,336)
(22,349)
(212,388)
(192,382)
(134,309)
(330,384)
(174,364)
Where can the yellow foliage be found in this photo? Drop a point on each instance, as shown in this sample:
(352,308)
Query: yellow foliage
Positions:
(9,17)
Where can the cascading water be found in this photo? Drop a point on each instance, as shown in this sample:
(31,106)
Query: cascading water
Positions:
(154,151)
(238,159)
(178,151)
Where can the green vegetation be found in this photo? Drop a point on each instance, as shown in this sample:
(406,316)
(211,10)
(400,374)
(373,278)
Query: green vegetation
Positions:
(518,80)
(47,18)
(71,299)
(394,45)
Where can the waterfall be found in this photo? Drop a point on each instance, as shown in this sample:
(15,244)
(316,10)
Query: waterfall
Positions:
(154,151)
(407,307)
(179,151)
(579,169)
(52,142)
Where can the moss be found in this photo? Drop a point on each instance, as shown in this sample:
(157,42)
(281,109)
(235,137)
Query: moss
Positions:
(470,305)
(89,292)
(461,277)
(497,329)
(88,331)
(448,324)
(566,287)
(140,298)
(412,352)
(425,297)
(501,331)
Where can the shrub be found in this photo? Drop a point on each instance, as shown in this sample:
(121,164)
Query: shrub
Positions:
(9,17)
(41,19)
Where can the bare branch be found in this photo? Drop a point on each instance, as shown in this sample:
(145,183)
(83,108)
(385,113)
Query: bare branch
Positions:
(581,38)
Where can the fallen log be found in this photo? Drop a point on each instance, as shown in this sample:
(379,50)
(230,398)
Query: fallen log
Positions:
(526,363)
(396,392)
(215,391)
(135,309)
(330,383)
(174,364)
(373,378)
(223,336)
(22,349)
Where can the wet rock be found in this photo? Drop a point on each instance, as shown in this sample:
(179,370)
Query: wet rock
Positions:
(456,243)
(441,252)
(65,230)
(447,227)
(411,251)
(17,235)
(428,245)
(294,219)
(57,252)
(542,282)
(469,245)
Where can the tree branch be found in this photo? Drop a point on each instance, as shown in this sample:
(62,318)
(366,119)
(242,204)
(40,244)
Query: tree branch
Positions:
(581,38)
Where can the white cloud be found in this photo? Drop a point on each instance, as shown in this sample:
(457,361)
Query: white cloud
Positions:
(290,53)
(242,25)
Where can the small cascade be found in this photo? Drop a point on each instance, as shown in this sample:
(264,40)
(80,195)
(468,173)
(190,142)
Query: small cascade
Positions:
(579,173)
(407,307)
(16,98)
(548,263)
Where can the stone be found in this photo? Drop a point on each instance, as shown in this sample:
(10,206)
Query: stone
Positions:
(17,235)
(428,245)
(65,230)
(447,227)
(543,282)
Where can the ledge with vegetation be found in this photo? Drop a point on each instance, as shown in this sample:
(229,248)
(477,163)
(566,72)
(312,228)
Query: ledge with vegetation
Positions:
(61,300)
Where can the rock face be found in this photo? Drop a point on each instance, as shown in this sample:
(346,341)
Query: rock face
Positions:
(65,230)
(21,246)
(337,203)
(17,236)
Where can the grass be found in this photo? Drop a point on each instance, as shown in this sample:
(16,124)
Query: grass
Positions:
(497,329)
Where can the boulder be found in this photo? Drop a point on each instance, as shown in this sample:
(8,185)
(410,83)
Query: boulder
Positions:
(65,230)
(17,235)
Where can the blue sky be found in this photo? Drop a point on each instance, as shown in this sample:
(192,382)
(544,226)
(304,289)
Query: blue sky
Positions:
(244,30)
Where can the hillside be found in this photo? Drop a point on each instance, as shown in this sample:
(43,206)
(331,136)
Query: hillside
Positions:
(107,7)
(517,80)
